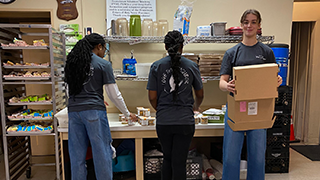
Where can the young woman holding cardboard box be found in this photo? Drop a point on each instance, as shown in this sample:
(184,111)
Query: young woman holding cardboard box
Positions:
(248,52)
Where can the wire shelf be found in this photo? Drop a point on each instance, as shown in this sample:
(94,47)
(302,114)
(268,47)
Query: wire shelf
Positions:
(188,39)
(24,47)
(129,78)
(26,67)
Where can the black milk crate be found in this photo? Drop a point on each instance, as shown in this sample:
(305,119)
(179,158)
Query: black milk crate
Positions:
(153,164)
(282,120)
(277,152)
(194,167)
(277,165)
(279,131)
(278,141)
(281,126)
(152,167)
(283,104)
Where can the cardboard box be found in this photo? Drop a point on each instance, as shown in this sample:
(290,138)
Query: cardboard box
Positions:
(42,145)
(256,81)
(252,106)
(250,114)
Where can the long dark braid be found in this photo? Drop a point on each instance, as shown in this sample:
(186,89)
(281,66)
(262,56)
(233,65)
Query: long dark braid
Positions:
(79,60)
(173,41)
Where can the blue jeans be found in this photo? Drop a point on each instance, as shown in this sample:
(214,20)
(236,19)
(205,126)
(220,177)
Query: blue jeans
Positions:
(232,145)
(93,126)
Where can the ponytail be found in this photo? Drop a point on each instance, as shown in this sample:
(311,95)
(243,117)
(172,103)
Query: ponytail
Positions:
(173,41)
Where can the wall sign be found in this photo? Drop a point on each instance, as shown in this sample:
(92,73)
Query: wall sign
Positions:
(67,9)
(124,8)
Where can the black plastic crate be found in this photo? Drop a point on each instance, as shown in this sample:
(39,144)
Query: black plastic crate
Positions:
(278,141)
(194,167)
(281,127)
(279,131)
(282,120)
(283,104)
(152,167)
(277,152)
(277,165)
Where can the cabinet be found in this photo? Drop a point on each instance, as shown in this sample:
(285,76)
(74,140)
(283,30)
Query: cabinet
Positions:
(46,62)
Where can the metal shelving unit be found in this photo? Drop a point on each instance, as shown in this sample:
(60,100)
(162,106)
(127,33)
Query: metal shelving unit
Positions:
(17,147)
(188,39)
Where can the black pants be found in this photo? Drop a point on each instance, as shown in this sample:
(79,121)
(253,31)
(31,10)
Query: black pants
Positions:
(175,141)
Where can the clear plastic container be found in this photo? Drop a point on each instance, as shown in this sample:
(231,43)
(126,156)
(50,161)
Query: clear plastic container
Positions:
(146,112)
(204,120)
(140,111)
(130,122)
(124,120)
(162,27)
(122,27)
(155,29)
(151,120)
(144,121)
(147,27)
(120,116)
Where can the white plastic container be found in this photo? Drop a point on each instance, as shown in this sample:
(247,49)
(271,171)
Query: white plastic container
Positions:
(203,31)
(142,69)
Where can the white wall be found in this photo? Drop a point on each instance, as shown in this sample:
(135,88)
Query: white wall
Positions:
(276,21)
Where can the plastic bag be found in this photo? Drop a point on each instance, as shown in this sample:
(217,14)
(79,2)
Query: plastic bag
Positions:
(181,20)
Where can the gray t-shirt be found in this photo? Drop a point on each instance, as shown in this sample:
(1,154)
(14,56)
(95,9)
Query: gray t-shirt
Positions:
(177,112)
(242,55)
(91,96)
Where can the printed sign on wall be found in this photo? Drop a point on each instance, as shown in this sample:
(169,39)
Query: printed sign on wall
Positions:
(124,8)
(67,9)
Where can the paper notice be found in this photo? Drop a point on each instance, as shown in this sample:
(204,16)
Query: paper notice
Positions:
(252,108)
(243,106)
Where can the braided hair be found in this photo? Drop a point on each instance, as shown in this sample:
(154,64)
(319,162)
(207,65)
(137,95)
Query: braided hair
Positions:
(79,60)
(174,41)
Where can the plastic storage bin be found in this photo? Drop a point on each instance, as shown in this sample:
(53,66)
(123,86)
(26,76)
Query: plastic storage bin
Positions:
(281,52)
(142,69)
(124,162)
(218,28)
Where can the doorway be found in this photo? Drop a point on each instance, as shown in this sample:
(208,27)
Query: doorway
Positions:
(300,76)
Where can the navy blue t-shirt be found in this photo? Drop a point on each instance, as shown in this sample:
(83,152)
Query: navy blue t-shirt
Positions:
(242,55)
(91,96)
(179,112)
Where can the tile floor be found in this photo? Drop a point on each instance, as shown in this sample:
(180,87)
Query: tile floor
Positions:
(300,168)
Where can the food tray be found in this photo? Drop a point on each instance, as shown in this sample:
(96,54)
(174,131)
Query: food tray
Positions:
(38,119)
(25,67)
(30,132)
(32,103)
